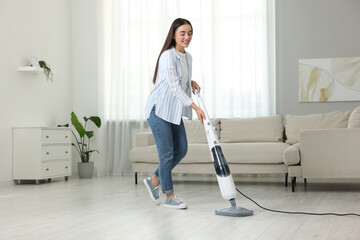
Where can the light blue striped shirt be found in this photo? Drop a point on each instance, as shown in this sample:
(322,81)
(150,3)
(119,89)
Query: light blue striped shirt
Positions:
(168,96)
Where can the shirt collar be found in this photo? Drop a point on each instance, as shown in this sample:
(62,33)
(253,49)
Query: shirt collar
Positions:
(178,55)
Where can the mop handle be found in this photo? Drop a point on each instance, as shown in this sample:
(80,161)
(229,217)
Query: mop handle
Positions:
(201,105)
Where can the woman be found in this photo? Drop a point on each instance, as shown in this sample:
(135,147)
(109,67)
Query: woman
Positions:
(168,102)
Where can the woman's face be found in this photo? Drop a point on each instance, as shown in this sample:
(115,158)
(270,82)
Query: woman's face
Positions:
(183,36)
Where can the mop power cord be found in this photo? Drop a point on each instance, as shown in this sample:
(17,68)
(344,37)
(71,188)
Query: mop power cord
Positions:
(303,213)
(225,180)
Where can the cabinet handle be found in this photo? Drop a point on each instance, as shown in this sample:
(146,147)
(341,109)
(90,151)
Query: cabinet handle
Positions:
(66,167)
(47,169)
(47,153)
(66,136)
(66,152)
(47,136)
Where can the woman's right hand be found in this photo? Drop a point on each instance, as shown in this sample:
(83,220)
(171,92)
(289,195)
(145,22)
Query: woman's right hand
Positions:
(200,114)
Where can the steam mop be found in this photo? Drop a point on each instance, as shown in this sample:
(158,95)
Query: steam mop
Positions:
(225,180)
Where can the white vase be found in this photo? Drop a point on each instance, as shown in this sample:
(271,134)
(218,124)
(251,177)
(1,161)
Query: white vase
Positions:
(34,62)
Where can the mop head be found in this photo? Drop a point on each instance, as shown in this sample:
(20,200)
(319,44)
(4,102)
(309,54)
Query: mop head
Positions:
(234,211)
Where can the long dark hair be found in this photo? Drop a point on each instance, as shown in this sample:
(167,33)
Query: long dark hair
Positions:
(170,41)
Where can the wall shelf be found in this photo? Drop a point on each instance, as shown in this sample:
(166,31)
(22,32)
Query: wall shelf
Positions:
(30,69)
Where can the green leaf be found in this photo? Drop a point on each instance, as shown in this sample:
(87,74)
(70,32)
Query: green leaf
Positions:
(95,120)
(44,65)
(77,125)
(89,134)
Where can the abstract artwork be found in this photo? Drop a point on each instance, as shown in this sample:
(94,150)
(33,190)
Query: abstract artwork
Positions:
(329,79)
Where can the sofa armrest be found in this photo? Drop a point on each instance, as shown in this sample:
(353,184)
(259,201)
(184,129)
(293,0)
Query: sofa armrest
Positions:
(330,152)
(144,139)
(291,155)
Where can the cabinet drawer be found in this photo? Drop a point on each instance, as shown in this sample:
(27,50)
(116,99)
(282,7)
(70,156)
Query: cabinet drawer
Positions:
(55,152)
(52,169)
(55,136)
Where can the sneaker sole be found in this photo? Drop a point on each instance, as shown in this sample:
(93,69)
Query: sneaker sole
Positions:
(157,201)
(181,206)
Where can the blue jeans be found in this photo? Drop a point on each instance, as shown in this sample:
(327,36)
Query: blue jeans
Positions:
(171,144)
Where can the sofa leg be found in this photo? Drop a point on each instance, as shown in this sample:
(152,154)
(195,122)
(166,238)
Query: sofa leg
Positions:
(305,182)
(293,181)
(286,179)
(136,177)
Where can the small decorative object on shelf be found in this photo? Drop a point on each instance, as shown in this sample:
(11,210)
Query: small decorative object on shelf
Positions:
(47,70)
(34,62)
(37,67)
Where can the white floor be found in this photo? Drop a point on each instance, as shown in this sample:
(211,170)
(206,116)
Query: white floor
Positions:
(116,208)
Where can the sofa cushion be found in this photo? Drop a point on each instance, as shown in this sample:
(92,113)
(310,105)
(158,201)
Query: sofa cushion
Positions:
(296,123)
(354,119)
(195,132)
(146,154)
(291,155)
(254,152)
(260,129)
(250,153)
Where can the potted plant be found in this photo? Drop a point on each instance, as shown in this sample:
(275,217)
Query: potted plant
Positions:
(82,145)
(47,70)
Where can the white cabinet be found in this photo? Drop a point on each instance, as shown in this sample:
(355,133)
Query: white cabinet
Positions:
(41,153)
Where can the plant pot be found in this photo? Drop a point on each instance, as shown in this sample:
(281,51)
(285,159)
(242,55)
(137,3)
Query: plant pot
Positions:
(85,169)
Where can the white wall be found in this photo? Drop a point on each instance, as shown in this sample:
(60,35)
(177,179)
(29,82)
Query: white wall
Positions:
(312,29)
(39,28)
(86,86)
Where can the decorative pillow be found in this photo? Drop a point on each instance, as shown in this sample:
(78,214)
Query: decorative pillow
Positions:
(260,129)
(195,131)
(296,123)
(354,119)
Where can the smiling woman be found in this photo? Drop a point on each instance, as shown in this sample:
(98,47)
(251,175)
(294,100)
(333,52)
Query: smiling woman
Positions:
(183,37)
(169,101)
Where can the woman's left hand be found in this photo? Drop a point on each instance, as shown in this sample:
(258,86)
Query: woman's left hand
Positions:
(195,86)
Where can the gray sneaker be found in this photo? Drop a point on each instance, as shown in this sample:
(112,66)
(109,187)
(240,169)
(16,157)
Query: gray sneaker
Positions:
(153,190)
(175,202)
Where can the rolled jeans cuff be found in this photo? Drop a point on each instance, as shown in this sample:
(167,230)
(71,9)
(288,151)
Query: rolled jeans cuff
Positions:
(168,191)
(156,176)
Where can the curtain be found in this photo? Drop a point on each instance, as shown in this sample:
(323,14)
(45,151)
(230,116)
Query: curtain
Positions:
(233,49)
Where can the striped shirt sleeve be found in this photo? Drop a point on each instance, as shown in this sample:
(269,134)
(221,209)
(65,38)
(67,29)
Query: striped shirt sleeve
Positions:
(168,63)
